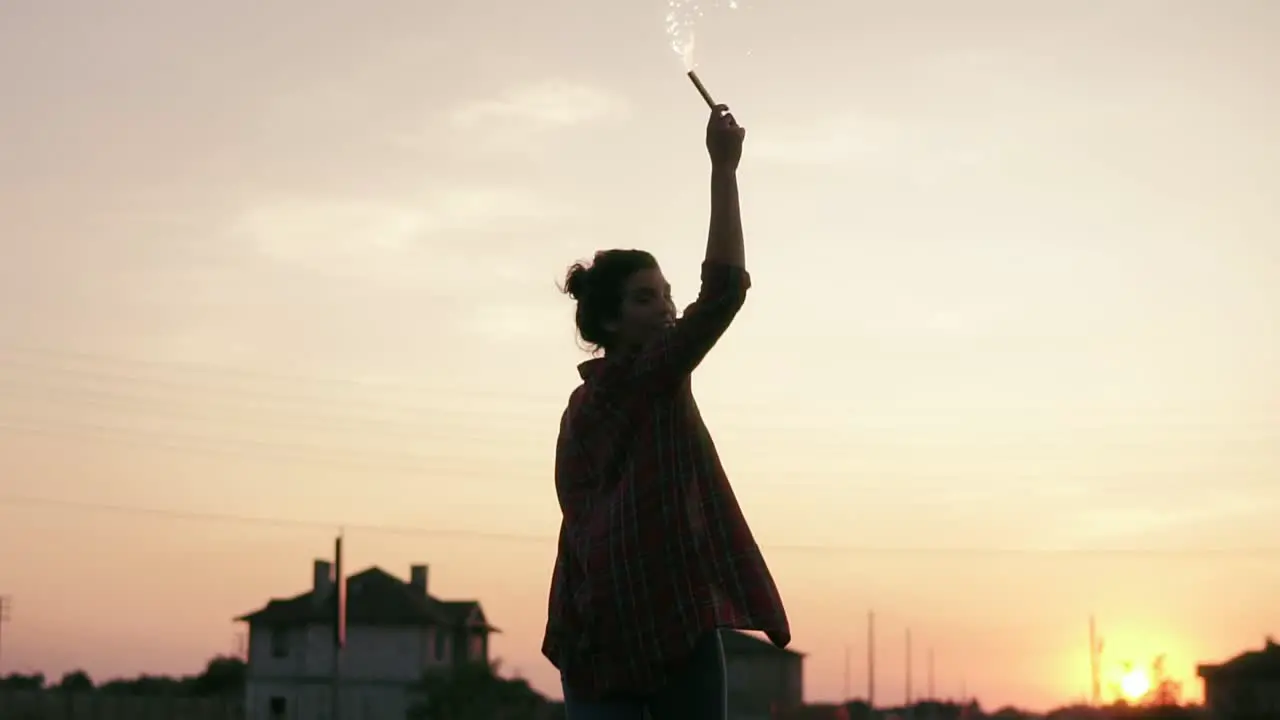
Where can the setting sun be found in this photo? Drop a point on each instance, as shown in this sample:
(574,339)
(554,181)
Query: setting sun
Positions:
(1135,684)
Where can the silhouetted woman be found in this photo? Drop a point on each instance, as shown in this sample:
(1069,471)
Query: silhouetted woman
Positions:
(654,553)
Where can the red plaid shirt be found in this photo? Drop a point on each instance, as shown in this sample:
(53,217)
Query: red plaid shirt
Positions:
(654,551)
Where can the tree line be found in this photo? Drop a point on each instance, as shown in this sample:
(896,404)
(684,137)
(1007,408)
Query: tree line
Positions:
(222,676)
(469,692)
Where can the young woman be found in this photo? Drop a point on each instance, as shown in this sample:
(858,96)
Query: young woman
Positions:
(654,553)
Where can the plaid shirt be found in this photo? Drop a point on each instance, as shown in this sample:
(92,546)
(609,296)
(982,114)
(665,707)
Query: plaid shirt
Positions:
(654,551)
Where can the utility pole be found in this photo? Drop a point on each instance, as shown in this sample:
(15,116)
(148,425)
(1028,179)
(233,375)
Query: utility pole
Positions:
(871,660)
(1095,662)
(931,698)
(846,673)
(339,627)
(6,605)
(907,703)
(931,695)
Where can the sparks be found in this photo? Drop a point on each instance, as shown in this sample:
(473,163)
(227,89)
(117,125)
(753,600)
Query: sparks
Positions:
(682,20)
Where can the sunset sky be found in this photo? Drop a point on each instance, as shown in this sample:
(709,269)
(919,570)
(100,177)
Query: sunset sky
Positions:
(1009,359)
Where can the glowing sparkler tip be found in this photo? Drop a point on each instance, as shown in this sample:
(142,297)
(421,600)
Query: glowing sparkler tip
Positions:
(681,20)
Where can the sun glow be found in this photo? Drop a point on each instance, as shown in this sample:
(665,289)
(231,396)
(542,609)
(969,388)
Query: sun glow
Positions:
(1135,684)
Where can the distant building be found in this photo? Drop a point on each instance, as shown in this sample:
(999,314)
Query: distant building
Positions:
(764,681)
(396,634)
(1245,687)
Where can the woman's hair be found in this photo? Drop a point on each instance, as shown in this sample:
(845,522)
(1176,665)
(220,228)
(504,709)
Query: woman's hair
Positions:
(598,289)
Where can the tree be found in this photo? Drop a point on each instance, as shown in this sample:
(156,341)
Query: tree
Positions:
(475,691)
(16,681)
(75,681)
(144,686)
(1165,691)
(222,676)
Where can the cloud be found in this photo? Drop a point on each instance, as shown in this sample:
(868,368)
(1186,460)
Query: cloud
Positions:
(514,123)
(326,234)
(356,282)
(547,104)
(197,344)
(296,230)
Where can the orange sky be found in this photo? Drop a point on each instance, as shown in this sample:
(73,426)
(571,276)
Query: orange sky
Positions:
(1009,357)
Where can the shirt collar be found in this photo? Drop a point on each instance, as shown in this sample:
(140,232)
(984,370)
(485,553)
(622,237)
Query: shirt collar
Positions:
(586,369)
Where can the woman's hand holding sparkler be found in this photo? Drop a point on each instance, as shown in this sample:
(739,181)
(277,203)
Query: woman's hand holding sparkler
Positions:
(724,140)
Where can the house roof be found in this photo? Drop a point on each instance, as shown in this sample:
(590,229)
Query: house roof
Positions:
(741,643)
(1253,663)
(374,597)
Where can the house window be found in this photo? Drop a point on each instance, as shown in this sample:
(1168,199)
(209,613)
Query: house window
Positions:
(476,650)
(277,708)
(279,643)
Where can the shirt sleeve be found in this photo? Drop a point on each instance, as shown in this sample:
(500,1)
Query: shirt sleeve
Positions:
(678,350)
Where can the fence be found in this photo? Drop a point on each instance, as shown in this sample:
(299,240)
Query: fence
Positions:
(47,705)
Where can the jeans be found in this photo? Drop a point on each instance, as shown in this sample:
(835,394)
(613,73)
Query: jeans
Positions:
(697,692)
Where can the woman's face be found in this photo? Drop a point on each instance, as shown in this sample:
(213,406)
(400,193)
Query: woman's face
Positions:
(646,308)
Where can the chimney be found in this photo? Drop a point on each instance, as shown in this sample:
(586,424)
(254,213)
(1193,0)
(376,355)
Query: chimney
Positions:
(418,578)
(322,579)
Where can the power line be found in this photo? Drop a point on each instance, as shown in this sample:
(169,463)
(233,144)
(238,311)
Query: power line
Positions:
(216,402)
(402,459)
(298,393)
(390,461)
(549,540)
(299,413)
(232,380)
(5,606)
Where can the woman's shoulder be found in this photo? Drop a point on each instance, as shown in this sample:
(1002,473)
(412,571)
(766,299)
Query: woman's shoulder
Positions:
(601,394)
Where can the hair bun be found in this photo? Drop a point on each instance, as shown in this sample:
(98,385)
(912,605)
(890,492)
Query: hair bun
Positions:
(577,281)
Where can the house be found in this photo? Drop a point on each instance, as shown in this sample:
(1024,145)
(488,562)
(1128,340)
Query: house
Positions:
(1245,687)
(763,679)
(396,633)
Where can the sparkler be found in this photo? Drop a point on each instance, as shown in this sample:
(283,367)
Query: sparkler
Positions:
(682,17)
(702,89)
